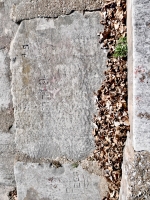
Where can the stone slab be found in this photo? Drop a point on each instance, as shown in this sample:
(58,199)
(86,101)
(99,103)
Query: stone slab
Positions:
(7,31)
(7,153)
(27,9)
(135,182)
(44,182)
(140,75)
(56,64)
(7,146)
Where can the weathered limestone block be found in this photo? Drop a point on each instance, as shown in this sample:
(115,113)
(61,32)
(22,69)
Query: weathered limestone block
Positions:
(135,183)
(141,74)
(136,161)
(45,182)
(28,9)
(7,153)
(56,64)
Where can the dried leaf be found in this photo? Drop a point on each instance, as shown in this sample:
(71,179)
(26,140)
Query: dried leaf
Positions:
(112,121)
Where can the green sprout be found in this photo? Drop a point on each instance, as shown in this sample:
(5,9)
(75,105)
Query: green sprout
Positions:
(121,48)
(75,165)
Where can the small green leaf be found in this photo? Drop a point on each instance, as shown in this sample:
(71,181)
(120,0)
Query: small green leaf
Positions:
(121,48)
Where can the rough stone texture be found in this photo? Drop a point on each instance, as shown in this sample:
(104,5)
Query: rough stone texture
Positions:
(135,183)
(65,61)
(141,75)
(56,64)
(44,182)
(8,28)
(136,162)
(93,167)
(28,9)
(7,153)
(6,107)
(7,31)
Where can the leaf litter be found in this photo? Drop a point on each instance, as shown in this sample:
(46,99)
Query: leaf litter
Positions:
(112,121)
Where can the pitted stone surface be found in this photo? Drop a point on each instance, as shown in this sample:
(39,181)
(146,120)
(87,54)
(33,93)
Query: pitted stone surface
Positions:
(7,31)
(7,153)
(141,74)
(43,182)
(8,27)
(135,183)
(29,9)
(6,107)
(57,64)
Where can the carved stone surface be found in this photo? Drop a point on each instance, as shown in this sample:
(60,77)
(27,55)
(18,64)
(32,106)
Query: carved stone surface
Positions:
(56,64)
(45,182)
(29,9)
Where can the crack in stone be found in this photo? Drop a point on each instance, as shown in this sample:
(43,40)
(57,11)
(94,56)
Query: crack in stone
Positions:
(51,9)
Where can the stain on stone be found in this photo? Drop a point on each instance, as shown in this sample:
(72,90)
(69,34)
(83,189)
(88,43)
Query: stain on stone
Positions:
(32,194)
(148,23)
(1,5)
(26,69)
(7,61)
(25,80)
(6,119)
(144,115)
(148,73)
(142,78)
(5,42)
